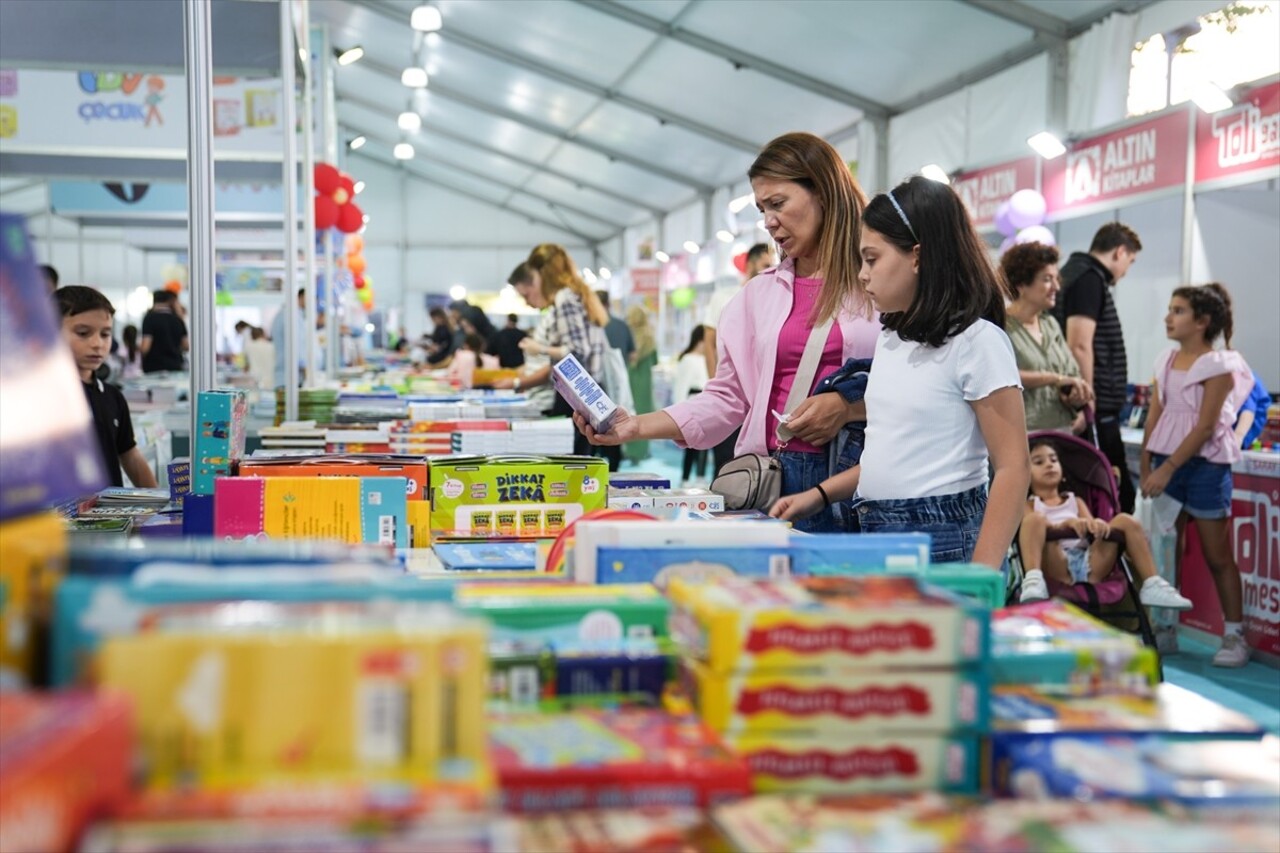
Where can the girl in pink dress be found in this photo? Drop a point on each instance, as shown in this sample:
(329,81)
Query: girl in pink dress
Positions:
(1189,444)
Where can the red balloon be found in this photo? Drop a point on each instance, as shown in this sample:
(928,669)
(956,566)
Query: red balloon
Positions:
(740,261)
(341,196)
(347,183)
(326,212)
(327,178)
(350,218)
(359,282)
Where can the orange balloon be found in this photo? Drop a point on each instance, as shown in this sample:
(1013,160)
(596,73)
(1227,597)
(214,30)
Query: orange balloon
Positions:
(173,286)
(355,244)
(356,264)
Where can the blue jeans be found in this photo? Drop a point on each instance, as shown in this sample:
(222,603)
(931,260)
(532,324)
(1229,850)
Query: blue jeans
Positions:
(952,521)
(1202,487)
(801,472)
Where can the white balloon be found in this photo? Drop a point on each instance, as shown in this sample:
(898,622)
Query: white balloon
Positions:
(1036,234)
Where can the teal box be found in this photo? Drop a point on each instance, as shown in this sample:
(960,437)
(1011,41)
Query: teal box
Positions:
(218,447)
(88,610)
(975,581)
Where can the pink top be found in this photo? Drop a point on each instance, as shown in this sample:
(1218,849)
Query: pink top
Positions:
(791,343)
(747,341)
(1060,514)
(1181,393)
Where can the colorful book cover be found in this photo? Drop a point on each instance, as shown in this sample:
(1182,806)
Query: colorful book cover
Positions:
(488,555)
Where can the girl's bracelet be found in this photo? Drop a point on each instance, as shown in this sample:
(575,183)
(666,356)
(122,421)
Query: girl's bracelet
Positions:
(826,501)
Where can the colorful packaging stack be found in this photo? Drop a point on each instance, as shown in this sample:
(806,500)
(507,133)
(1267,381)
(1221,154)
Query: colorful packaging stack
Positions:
(370,510)
(33,554)
(179,478)
(234,695)
(219,446)
(65,760)
(314,404)
(435,438)
(611,759)
(1060,649)
(547,437)
(513,497)
(640,498)
(561,641)
(837,685)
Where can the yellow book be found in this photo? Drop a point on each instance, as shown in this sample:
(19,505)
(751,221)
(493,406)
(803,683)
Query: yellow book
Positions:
(33,553)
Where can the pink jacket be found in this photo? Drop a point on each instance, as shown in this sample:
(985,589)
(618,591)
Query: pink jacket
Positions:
(747,342)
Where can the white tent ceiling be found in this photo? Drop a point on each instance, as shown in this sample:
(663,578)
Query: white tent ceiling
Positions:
(589,114)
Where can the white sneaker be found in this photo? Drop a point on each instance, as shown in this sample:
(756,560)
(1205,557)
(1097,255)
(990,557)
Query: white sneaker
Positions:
(1158,592)
(1234,652)
(1033,587)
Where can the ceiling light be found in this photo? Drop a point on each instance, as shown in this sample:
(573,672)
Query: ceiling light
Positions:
(409,121)
(724,236)
(606,273)
(1211,98)
(741,203)
(346,57)
(414,77)
(358,188)
(426,19)
(934,172)
(403,151)
(691,247)
(661,256)
(458,291)
(1047,145)
(357,143)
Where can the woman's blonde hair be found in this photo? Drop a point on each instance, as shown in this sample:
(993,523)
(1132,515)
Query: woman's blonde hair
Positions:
(641,331)
(811,162)
(554,266)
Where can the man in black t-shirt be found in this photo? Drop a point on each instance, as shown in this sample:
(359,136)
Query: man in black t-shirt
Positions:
(505,343)
(1087,313)
(164,335)
(86,327)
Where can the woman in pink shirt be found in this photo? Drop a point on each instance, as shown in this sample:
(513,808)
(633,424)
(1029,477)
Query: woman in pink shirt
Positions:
(1190,444)
(812,207)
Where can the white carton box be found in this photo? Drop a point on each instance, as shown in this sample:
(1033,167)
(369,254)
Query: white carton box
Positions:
(583,393)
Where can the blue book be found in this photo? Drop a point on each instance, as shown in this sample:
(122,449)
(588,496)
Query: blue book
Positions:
(488,555)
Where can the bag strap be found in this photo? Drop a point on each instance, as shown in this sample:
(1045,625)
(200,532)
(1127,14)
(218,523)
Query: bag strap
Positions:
(805,373)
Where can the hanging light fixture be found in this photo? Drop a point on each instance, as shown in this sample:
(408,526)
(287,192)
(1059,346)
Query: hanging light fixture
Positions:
(414,77)
(426,19)
(357,143)
(350,55)
(409,121)
(403,151)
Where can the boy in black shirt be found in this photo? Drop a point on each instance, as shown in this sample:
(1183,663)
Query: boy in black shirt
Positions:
(86,327)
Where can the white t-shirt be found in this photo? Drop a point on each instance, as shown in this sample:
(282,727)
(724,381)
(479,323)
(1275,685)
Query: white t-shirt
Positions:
(720,297)
(691,375)
(923,438)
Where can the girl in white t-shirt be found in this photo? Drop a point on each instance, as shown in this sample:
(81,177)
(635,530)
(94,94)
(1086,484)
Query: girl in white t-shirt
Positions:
(943,398)
(691,377)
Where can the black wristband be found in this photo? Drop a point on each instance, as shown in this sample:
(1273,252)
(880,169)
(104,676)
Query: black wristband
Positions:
(826,501)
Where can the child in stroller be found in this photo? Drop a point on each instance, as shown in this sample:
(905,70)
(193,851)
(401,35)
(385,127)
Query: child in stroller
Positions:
(1061,539)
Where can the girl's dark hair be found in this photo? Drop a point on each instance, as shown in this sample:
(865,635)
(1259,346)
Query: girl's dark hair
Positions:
(76,299)
(696,337)
(1023,262)
(1213,301)
(957,285)
(130,338)
(475,343)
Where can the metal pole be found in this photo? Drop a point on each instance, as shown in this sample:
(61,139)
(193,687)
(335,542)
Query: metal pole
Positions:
(1189,196)
(288,95)
(662,286)
(329,127)
(308,209)
(80,250)
(198,31)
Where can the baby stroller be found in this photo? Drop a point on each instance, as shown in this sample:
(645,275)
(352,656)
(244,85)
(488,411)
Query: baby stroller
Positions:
(1114,599)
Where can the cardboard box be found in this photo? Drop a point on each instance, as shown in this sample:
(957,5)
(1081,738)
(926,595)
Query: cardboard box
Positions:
(371,510)
(219,446)
(514,497)
(316,703)
(859,764)
(583,394)
(179,476)
(33,555)
(619,759)
(65,761)
(565,616)
(751,625)
(839,702)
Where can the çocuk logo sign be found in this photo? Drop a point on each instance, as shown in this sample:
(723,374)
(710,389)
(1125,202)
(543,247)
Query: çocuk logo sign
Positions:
(145,110)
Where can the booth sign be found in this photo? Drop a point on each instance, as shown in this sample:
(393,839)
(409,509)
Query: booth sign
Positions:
(984,189)
(1241,141)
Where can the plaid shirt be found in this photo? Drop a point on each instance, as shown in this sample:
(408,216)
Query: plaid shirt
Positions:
(566,324)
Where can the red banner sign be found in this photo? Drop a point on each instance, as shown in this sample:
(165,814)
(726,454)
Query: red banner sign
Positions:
(1147,156)
(984,189)
(1255,522)
(1243,139)
(644,281)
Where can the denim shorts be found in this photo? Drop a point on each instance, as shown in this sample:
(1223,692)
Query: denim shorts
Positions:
(1202,487)
(952,521)
(801,472)
(1077,563)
